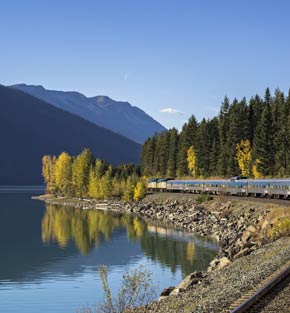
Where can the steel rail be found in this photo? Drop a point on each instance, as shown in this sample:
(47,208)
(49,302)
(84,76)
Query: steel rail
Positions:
(248,300)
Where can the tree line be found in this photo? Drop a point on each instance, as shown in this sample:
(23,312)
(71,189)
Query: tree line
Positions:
(85,177)
(246,138)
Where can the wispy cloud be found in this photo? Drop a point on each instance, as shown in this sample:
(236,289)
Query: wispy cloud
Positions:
(171,111)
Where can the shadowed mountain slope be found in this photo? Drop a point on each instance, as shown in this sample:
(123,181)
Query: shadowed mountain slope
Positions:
(118,116)
(30,128)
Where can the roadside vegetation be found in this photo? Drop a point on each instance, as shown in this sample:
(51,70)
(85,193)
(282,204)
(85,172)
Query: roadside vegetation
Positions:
(85,177)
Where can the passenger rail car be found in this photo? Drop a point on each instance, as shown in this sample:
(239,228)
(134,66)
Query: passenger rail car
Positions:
(274,188)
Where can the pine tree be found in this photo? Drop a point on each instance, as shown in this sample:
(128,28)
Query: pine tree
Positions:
(238,130)
(172,153)
(264,143)
(223,135)
(203,143)
(187,138)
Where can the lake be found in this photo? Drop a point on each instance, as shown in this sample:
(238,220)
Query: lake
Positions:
(51,256)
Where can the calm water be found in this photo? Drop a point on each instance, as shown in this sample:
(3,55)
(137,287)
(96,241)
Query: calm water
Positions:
(51,256)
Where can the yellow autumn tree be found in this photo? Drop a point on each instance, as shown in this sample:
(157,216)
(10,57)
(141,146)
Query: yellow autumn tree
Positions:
(140,190)
(63,170)
(191,160)
(255,171)
(244,156)
(48,172)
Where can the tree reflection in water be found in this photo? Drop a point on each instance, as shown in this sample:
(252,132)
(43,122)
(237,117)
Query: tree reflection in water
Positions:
(87,228)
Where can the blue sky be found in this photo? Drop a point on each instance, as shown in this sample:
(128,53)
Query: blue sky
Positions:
(180,57)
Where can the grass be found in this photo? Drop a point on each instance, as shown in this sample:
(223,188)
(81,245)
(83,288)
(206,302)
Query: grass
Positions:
(203,198)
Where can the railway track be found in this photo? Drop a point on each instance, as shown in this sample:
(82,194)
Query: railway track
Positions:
(285,202)
(257,300)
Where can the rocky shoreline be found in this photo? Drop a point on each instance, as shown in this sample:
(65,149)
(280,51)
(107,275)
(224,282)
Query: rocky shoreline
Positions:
(240,227)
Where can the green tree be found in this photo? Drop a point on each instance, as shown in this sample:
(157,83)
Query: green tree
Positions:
(264,143)
(172,153)
(187,138)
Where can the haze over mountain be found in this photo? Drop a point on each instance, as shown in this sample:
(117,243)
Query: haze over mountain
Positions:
(31,128)
(121,117)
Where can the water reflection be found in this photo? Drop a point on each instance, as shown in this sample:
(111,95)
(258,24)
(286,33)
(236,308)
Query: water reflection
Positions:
(88,228)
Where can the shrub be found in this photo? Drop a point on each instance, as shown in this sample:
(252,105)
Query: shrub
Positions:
(203,198)
(280,228)
(136,290)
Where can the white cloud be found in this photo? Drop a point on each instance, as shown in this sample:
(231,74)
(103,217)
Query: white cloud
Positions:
(171,111)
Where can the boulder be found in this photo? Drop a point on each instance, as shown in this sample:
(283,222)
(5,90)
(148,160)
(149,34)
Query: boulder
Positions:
(242,253)
(190,280)
(166,292)
(223,262)
(252,229)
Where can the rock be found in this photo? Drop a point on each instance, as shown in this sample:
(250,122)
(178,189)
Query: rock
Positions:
(190,280)
(264,225)
(175,292)
(242,253)
(166,292)
(223,262)
(252,229)
(246,235)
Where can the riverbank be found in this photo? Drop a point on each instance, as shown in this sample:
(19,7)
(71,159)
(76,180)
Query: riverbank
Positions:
(243,229)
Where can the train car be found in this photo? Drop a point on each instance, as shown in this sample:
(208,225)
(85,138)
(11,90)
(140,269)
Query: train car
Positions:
(152,184)
(280,188)
(162,183)
(185,185)
(240,186)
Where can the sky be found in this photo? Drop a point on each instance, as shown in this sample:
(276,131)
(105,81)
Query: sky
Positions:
(170,58)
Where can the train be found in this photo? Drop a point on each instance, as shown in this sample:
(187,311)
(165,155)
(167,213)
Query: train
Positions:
(235,186)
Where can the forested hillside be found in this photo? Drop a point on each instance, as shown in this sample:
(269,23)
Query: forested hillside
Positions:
(249,138)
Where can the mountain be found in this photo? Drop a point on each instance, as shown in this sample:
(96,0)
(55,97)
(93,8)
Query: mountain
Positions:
(120,117)
(30,128)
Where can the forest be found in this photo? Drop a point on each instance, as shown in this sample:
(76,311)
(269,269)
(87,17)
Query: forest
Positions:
(246,138)
(85,177)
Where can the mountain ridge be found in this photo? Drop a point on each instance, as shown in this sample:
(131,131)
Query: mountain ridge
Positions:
(118,116)
(31,128)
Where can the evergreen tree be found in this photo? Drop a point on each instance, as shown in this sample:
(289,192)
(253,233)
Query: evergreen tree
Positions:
(172,153)
(238,130)
(264,143)
(223,135)
(203,143)
(187,138)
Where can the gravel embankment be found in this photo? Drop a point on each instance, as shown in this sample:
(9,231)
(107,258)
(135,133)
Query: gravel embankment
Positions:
(220,288)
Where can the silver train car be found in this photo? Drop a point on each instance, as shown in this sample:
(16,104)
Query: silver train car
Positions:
(268,188)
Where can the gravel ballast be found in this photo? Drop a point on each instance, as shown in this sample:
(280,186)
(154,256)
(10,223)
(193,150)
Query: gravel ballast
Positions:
(219,289)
